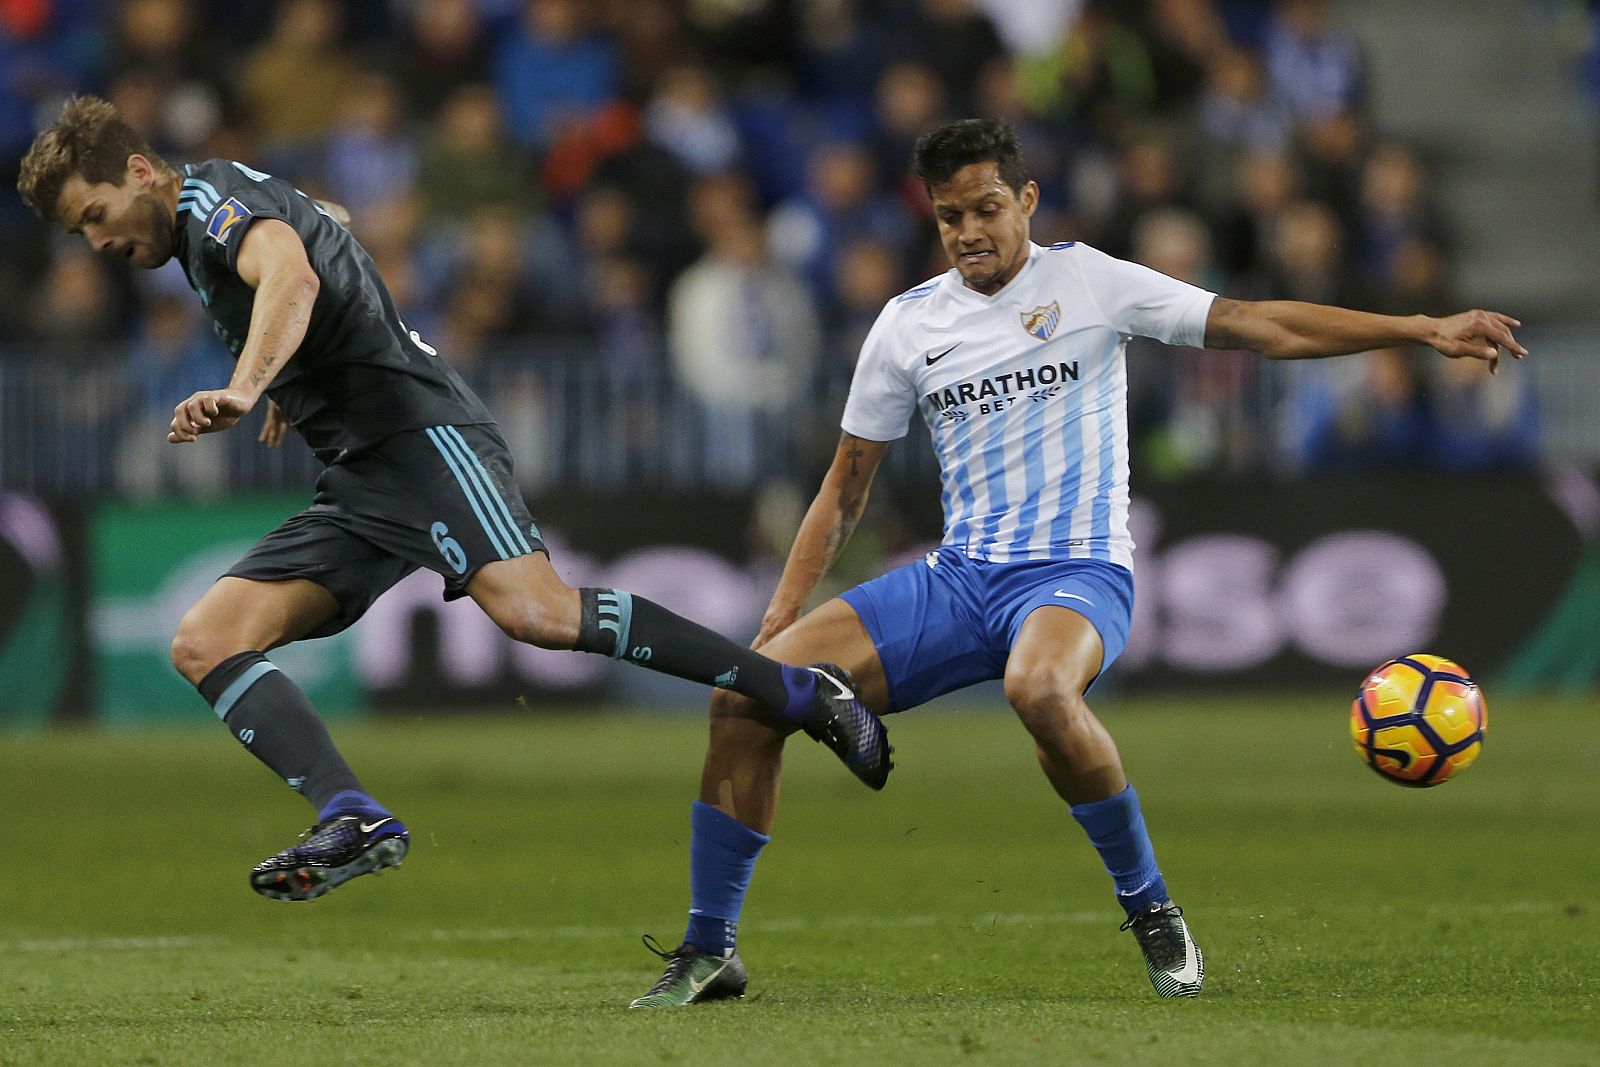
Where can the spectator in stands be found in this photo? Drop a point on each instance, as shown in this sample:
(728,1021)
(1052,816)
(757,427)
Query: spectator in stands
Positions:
(651,39)
(842,201)
(955,40)
(165,45)
(1395,212)
(467,163)
(842,51)
(688,117)
(175,354)
(372,155)
(295,83)
(554,71)
(1264,184)
(1101,77)
(1303,260)
(441,48)
(743,335)
(1148,112)
(1151,175)
(910,100)
(1483,425)
(1188,412)
(1238,108)
(1182,37)
(1378,419)
(1315,69)
(870,274)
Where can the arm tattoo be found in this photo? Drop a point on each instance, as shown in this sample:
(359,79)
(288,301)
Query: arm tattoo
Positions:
(263,373)
(849,516)
(855,453)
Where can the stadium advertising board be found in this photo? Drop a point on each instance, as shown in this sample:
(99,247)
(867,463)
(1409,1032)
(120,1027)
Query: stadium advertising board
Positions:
(1288,586)
(40,650)
(148,563)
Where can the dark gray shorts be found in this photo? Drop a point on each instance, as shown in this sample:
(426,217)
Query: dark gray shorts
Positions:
(444,498)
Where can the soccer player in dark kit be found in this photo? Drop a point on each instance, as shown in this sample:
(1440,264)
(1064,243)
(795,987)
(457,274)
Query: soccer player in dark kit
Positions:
(415,474)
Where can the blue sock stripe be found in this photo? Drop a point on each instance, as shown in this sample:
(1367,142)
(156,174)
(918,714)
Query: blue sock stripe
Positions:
(467,488)
(496,501)
(239,686)
(615,608)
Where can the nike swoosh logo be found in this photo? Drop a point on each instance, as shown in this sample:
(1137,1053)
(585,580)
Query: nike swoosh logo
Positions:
(1191,965)
(842,690)
(368,827)
(932,359)
(1064,595)
(695,987)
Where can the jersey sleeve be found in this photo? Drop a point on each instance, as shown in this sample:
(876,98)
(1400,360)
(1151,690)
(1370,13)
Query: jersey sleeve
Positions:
(236,210)
(881,398)
(1145,303)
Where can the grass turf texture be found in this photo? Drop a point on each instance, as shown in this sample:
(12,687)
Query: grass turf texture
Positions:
(960,916)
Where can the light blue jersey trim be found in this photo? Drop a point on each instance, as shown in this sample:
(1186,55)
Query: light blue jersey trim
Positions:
(468,488)
(1071,477)
(994,465)
(1100,515)
(497,505)
(1033,472)
(916,294)
(204,186)
(239,686)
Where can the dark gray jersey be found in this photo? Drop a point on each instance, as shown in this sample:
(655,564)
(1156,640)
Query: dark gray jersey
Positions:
(360,374)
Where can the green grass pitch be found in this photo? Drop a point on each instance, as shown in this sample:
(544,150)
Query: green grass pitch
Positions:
(958,917)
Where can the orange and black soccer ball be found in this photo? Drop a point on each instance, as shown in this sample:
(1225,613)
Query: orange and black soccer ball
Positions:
(1419,720)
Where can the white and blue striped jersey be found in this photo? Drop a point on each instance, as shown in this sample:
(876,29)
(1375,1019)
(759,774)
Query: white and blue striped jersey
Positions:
(1025,394)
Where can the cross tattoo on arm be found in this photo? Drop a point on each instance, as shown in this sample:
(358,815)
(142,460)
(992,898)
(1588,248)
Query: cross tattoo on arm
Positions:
(855,453)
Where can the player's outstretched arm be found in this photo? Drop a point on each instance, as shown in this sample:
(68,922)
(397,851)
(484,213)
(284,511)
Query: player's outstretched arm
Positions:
(1291,329)
(273,262)
(828,524)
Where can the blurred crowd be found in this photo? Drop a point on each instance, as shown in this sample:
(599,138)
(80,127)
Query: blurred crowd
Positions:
(710,199)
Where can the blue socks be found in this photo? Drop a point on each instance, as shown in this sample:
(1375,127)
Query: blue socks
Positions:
(1116,827)
(352,802)
(800,685)
(722,856)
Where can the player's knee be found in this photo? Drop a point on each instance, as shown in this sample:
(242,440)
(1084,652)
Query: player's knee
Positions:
(1044,697)
(197,648)
(728,706)
(534,621)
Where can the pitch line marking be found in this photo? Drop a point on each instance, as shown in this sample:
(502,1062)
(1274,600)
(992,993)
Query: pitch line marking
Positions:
(104,944)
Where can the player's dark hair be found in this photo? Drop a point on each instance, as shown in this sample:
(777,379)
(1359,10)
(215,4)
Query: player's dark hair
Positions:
(941,153)
(90,140)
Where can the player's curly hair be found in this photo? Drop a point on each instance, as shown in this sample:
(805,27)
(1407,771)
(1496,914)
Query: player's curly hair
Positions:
(90,140)
(942,152)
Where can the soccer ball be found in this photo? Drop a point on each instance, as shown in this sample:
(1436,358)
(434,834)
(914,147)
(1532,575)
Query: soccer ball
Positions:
(1419,720)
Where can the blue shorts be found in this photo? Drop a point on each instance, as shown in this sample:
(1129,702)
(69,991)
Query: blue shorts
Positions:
(946,622)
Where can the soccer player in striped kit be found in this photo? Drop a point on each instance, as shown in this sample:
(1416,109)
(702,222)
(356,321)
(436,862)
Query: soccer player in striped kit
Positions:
(415,474)
(1014,359)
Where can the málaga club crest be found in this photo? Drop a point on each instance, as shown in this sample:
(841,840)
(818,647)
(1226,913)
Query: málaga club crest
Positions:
(1041,321)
